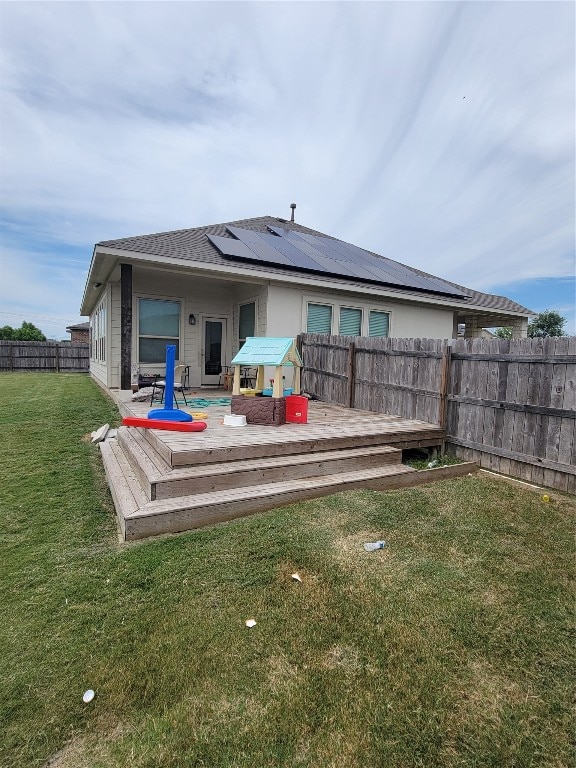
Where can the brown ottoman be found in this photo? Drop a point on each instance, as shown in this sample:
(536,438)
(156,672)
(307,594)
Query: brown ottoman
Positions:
(260,410)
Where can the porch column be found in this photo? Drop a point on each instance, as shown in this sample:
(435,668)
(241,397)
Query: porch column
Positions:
(472,330)
(520,328)
(125,326)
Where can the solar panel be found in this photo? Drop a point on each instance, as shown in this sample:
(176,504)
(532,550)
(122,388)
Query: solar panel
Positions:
(404,275)
(325,263)
(384,270)
(259,246)
(229,247)
(361,266)
(297,256)
(313,253)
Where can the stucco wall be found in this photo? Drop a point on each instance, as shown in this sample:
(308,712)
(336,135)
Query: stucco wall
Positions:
(287,312)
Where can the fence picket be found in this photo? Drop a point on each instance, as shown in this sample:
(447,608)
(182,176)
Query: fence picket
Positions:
(497,393)
(44,356)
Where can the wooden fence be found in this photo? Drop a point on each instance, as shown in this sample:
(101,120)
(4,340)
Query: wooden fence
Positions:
(509,405)
(44,356)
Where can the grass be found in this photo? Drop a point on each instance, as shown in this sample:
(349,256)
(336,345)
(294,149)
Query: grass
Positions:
(453,646)
(419,458)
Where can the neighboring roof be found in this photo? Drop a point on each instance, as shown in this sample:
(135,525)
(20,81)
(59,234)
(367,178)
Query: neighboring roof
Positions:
(193,245)
(79,327)
(268,351)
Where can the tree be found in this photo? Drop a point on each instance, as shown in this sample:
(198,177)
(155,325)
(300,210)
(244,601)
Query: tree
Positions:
(503,333)
(7,333)
(29,332)
(547,323)
(26,332)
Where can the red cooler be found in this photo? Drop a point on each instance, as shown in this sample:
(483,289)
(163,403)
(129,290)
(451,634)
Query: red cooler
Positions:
(297,409)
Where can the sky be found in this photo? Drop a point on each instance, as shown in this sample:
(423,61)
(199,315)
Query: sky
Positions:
(438,134)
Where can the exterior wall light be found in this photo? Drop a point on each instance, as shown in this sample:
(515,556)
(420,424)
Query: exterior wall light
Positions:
(191,319)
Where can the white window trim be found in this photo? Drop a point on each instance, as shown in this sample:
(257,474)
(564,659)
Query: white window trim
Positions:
(359,307)
(336,304)
(136,320)
(320,302)
(243,303)
(99,332)
(390,322)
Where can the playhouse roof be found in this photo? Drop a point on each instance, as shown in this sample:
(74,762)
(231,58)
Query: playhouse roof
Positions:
(260,350)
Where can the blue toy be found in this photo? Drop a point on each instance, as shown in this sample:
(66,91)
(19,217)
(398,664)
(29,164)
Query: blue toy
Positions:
(169,413)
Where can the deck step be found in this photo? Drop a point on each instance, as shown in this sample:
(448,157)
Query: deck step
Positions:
(179,450)
(159,481)
(127,493)
(194,511)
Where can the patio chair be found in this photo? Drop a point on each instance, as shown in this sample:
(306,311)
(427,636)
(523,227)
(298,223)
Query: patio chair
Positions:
(181,379)
(248,377)
(226,377)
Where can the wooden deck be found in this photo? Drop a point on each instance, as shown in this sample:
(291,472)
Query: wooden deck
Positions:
(164,481)
(329,426)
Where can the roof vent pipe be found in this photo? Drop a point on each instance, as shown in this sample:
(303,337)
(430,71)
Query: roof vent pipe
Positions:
(293,206)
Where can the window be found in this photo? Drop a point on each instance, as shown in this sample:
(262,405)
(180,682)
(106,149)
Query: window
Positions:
(378,324)
(246,322)
(158,326)
(98,333)
(319,318)
(350,321)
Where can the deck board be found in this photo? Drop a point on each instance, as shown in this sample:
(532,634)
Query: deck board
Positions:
(332,425)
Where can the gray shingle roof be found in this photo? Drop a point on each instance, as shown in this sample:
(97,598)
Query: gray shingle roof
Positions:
(79,327)
(193,245)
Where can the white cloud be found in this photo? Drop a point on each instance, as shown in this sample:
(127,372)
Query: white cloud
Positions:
(40,289)
(439,134)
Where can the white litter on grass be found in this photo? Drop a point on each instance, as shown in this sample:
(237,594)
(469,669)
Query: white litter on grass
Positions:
(296,577)
(250,623)
(100,434)
(88,696)
(372,545)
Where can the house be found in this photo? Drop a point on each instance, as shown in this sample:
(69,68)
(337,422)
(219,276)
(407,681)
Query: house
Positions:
(207,289)
(79,332)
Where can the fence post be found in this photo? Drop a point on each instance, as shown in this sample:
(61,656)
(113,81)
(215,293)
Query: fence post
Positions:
(11,357)
(351,373)
(57,358)
(444,380)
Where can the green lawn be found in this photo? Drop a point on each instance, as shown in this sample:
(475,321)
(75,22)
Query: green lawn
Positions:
(453,646)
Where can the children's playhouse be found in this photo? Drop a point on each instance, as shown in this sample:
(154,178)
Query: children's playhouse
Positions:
(267,405)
